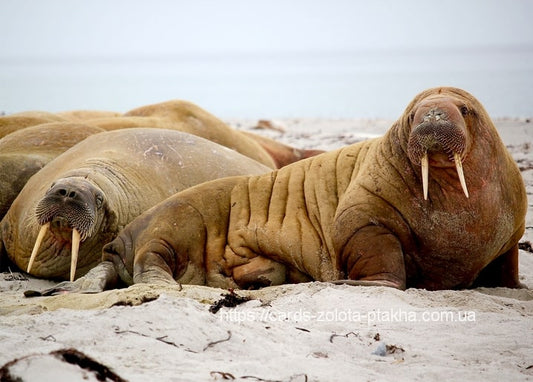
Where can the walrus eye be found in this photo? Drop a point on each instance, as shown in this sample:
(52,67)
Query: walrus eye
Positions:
(99,200)
(411,117)
(464,110)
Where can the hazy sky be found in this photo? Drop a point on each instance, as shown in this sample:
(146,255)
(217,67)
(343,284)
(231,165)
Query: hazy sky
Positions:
(132,27)
(153,50)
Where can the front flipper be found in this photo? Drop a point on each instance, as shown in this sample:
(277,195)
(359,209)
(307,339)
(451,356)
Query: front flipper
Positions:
(102,277)
(373,256)
(501,272)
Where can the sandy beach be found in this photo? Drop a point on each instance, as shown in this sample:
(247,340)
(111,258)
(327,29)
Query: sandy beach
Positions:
(305,332)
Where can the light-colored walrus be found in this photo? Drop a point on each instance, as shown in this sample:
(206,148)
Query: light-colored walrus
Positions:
(13,122)
(26,151)
(91,191)
(190,118)
(435,203)
(86,115)
(174,115)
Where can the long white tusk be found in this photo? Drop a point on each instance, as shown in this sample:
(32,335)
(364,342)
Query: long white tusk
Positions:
(37,244)
(75,251)
(459,166)
(425,174)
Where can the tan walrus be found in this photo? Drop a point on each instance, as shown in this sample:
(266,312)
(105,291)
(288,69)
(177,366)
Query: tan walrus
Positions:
(13,122)
(90,192)
(186,116)
(435,203)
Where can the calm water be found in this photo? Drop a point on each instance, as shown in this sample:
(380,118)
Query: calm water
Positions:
(333,85)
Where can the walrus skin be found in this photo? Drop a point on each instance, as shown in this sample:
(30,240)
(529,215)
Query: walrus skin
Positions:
(359,213)
(26,151)
(94,189)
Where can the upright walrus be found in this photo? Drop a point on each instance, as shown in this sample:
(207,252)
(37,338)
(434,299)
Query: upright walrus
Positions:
(435,203)
(91,191)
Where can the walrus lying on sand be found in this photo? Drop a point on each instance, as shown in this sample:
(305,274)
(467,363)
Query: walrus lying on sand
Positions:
(435,203)
(25,150)
(90,192)
(187,117)
(177,115)
(206,125)
(14,122)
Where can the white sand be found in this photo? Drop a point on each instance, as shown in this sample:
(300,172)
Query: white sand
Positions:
(305,332)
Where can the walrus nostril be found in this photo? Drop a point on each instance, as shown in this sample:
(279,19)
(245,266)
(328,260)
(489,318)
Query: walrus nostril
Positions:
(66,193)
(435,114)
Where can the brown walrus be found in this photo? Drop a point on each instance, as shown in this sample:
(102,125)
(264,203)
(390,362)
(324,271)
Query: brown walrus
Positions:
(26,151)
(91,191)
(435,203)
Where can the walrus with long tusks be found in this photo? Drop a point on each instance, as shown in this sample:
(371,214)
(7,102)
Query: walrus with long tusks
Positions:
(435,203)
(81,200)
(26,151)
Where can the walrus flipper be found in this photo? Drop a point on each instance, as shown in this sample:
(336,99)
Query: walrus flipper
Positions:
(102,277)
(373,255)
(501,272)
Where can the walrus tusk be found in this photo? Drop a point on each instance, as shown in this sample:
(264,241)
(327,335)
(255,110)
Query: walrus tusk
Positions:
(425,174)
(38,242)
(75,251)
(460,173)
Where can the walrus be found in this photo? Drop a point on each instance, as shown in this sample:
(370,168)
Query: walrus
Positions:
(84,115)
(281,153)
(91,191)
(174,115)
(13,122)
(435,203)
(191,118)
(26,151)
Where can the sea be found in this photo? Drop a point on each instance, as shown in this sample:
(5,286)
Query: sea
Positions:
(322,84)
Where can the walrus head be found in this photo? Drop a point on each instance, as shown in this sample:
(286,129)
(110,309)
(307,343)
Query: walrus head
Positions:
(69,208)
(439,137)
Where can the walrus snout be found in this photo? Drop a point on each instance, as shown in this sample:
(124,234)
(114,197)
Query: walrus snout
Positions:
(70,204)
(436,136)
(72,201)
(440,135)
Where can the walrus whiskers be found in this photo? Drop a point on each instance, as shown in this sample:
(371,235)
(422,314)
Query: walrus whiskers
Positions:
(460,173)
(425,174)
(38,242)
(75,251)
